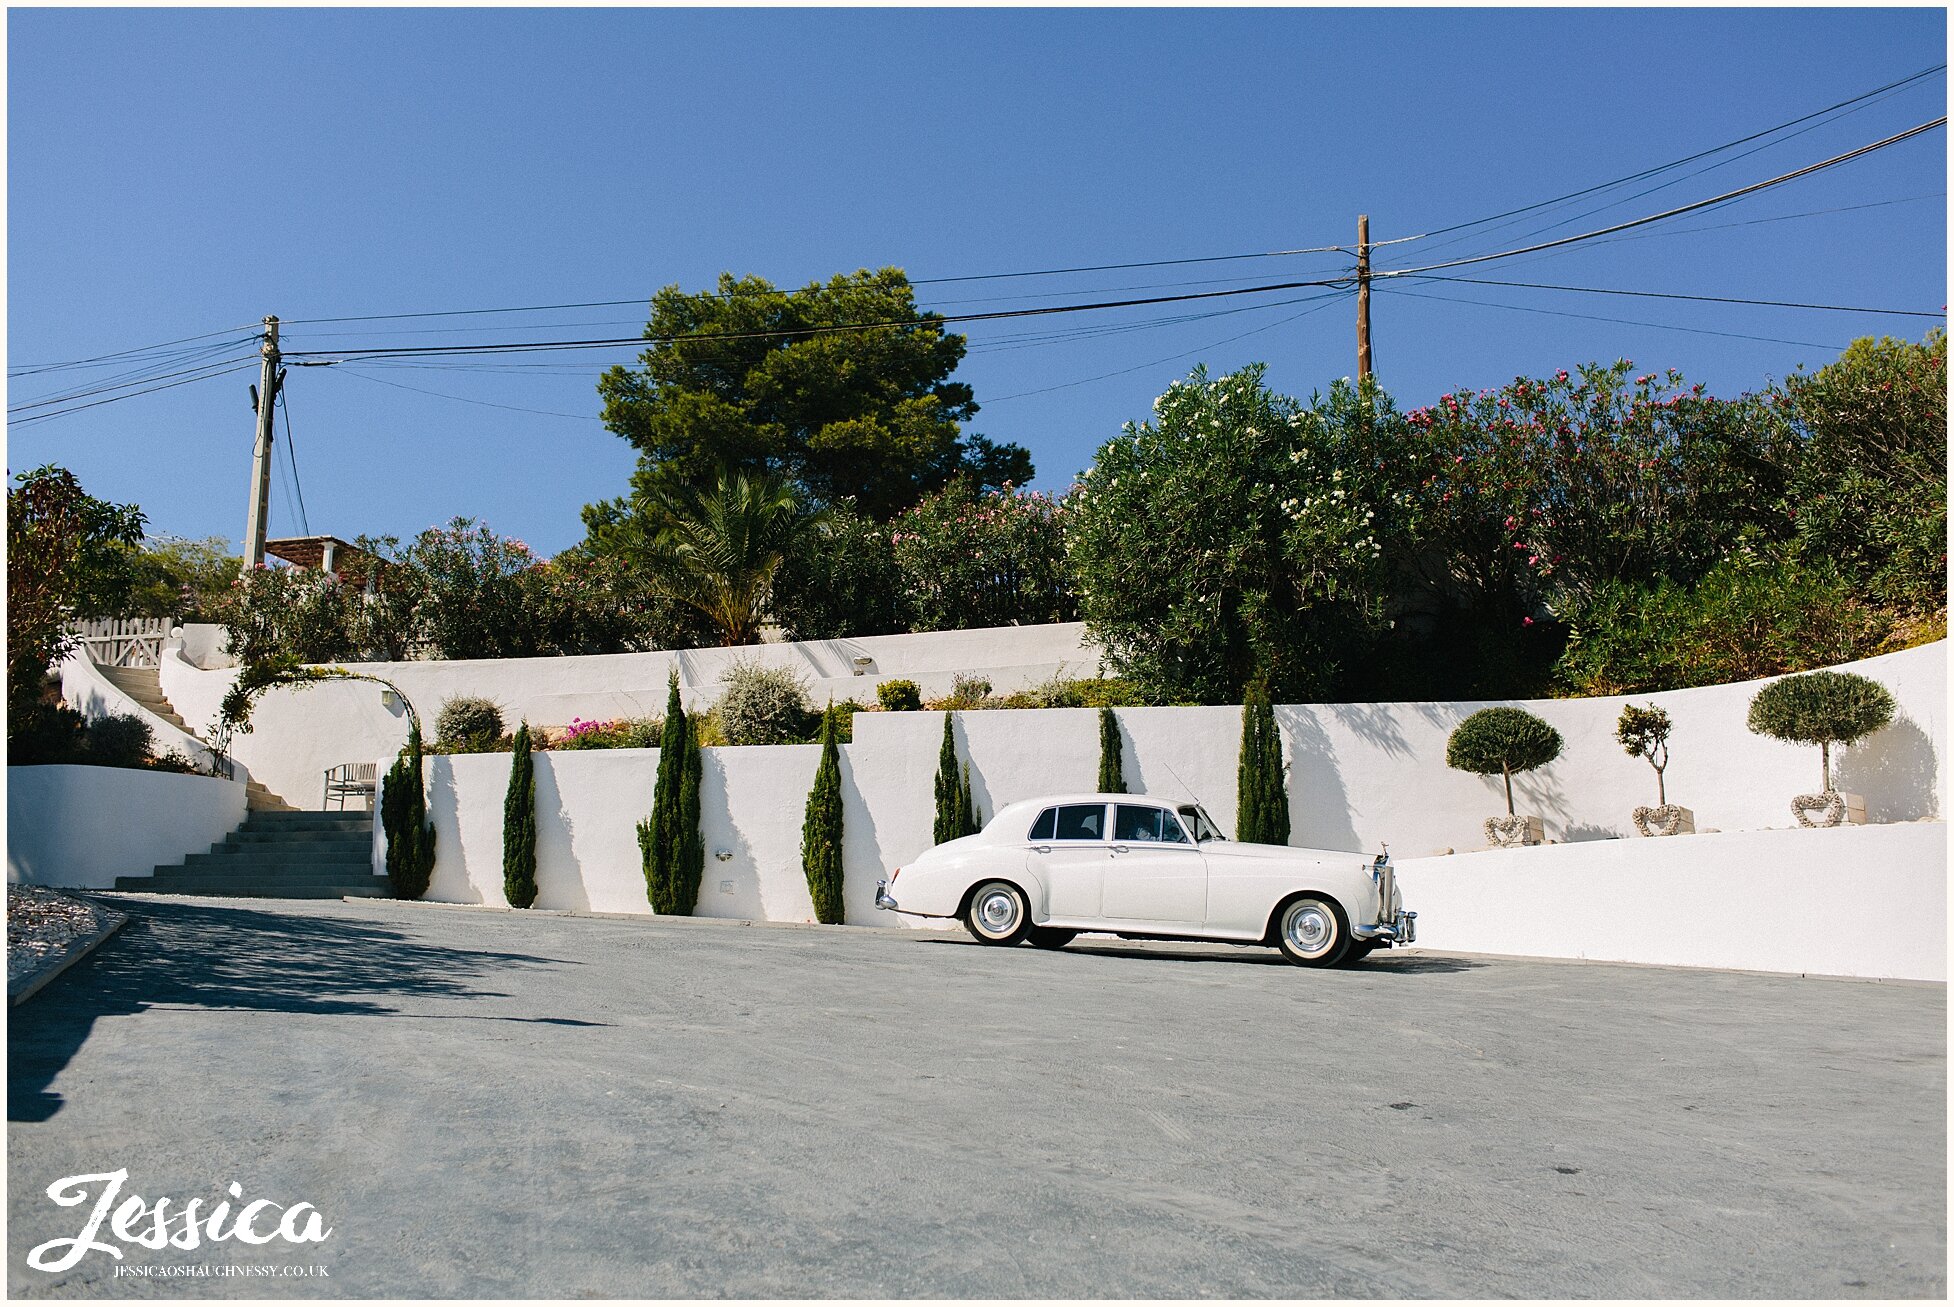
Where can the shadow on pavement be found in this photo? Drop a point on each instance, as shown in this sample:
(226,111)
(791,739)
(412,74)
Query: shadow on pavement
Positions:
(192,955)
(1254,955)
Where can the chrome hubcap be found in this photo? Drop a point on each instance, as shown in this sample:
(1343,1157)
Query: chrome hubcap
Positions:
(998,912)
(1309,928)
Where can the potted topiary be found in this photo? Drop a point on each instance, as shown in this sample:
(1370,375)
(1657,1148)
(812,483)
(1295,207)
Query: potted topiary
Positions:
(1499,742)
(1644,733)
(1823,708)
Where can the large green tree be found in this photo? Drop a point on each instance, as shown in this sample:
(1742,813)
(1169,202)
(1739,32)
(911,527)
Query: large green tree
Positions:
(843,387)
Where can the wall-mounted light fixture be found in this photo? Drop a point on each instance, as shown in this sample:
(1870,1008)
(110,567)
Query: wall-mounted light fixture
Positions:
(724,855)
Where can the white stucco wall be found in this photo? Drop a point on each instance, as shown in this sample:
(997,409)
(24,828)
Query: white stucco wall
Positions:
(1852,901)
(297,734)
(93,695)
(81,827)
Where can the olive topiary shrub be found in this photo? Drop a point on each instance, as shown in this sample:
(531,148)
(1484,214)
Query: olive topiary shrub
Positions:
(1822,708)
(761,705)
(1501,741)
(519,826)
(1644,733)
(900,696)
(466,718)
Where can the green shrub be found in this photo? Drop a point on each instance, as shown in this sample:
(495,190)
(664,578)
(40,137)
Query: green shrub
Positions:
(519,826)
(1261,790)
(843,582)
(1060,691)
(1747,618)
(1821,708)
(966,692)
(173,761)
(762,705)
(972,558)
(1112,775)
(821,830)
(118,740)
(673,851)
(40,732)
(899,696)
(1501,741)
(403,815)
(956,814)
(466,718)
(1644,733)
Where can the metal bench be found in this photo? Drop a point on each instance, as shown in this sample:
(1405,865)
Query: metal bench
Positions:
(351,780)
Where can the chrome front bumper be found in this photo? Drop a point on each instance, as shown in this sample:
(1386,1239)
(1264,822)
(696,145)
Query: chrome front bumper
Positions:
(882,898)
(1400,929)
(1393,925)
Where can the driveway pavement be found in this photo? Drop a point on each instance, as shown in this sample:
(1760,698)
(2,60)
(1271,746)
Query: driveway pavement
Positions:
(503,1105)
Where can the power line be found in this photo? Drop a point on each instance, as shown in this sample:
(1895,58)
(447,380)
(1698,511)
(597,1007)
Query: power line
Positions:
(133,376)
(1677,163)
(292,457)
(232,366)
(26,369)
(353,371)
(1725,198)
(84,394)
(1707,299)
(1630,322)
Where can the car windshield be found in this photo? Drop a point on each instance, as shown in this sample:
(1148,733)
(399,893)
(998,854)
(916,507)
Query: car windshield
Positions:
(1200,823)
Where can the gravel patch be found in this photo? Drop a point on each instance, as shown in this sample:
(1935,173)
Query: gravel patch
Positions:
(43,926)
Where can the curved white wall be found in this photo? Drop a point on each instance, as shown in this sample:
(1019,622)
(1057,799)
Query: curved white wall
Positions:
(81,827)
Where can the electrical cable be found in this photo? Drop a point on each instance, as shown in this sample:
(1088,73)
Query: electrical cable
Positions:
(292,457)
(1630,322)
(237,366)
(27,368)
(1706,299)
(46,403)
(353,370)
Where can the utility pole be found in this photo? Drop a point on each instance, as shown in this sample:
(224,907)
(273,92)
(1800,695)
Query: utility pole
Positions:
(1363,296)
(263,396)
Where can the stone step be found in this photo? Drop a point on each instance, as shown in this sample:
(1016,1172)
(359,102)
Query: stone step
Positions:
(296,819)
(249,834)
(259,873)
(373,888)
(359,856)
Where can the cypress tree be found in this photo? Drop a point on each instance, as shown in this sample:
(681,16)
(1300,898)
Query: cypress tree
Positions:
(660,833)
(1112,776)
(949,792)
(519,826)
(967,806)
(821,830)
(403,815)
(1261,796)
(689,865)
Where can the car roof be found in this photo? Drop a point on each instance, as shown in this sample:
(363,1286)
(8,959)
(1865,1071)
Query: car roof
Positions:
(1025,806)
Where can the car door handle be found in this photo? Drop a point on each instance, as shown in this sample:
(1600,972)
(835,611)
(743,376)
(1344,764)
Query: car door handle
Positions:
(1041,848)
(1119,848)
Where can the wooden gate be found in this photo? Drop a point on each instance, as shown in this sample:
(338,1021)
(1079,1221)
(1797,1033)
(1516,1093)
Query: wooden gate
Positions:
(123,641)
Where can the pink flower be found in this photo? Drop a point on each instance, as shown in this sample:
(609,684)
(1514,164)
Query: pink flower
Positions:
(1526,621)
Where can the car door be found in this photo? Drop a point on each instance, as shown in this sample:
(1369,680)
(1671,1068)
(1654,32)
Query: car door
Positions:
(1068,851)
(1156,873)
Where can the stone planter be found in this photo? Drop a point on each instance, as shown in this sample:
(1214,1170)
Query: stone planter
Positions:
(1829,809)
(1669,819)
(1514,832)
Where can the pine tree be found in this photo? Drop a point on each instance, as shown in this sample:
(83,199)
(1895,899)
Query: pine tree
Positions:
(660,834)
(519,826)
(821,830)
(1261,794)
(403,815)
(949,792)
(1112,776)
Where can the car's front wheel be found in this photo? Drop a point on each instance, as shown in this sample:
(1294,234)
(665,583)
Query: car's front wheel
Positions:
(1311,931)
(997,914)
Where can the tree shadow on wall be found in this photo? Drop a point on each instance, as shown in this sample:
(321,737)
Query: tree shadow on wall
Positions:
(1319,804)
(1896,772)
(205,956)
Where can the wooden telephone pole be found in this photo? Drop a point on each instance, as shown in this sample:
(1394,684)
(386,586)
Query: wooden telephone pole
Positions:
(1363,296)
(263,397)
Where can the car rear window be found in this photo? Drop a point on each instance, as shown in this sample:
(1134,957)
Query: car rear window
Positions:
(1146,825)
(1082,821)
(1047,823)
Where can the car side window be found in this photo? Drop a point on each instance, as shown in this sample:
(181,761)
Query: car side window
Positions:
(1146,825)
(1045,827)
(1081,821)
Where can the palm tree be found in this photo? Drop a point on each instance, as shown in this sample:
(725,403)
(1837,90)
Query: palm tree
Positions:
(718,546)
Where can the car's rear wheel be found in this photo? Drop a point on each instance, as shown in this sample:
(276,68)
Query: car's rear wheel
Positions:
(1051,937)
(996,913)
(1311,931)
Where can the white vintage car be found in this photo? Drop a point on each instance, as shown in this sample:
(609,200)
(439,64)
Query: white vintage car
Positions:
(1045,870)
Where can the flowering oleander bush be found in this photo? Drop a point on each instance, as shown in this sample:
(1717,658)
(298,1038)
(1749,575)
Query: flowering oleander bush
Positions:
(623,733)
(992,559)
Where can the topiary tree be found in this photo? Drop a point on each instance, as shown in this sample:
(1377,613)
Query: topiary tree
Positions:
(403,815)
(465,718)
(1112,777)
(1644,733)
(900,696)
(1821,708)
(668,840)
(1261,790)
(821,830)
(956,816)
(761,704)
(1501,741)
(519,826)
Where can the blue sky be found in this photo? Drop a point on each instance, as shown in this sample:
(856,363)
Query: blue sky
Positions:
(176,172)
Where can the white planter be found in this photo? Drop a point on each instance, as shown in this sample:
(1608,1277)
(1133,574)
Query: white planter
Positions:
(1514,832)
(1669,819)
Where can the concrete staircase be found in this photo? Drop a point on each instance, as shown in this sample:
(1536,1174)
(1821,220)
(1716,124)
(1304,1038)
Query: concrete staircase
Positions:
(144,685)
(278,855)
